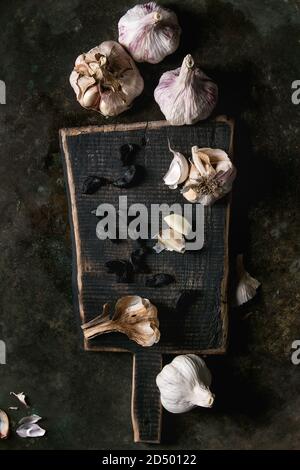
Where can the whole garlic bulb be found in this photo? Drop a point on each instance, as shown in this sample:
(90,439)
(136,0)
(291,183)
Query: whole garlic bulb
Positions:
(186,95)
(184,384)
(211,176)
(149,32)
(106,79)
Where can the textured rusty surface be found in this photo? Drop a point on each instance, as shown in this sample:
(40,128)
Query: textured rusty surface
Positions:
(252,50)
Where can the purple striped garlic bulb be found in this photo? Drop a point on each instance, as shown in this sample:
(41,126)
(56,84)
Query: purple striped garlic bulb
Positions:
(149,32)
(186,95)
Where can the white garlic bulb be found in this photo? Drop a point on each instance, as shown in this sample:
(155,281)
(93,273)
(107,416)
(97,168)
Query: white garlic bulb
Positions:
(149,32)
(186,95)
(184,384)
(211,176)
(106,79)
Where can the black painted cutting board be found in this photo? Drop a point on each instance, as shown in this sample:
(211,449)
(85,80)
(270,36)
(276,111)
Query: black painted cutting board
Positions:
(202,328)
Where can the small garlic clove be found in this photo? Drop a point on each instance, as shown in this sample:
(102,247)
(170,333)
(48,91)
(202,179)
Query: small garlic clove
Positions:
(178,223)
(202,162)
(4,425)
(178,171)
(91,97)
(170,240)
(149,32)
(173,175)
(247,286)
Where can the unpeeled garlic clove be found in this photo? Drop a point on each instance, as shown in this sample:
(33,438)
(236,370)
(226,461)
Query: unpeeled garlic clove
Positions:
(247,286)
(4,425)
(186,95)
(149,32)
(106,79)
(134,316)
(184,384)
(28,427)
(178,171)
(178,223)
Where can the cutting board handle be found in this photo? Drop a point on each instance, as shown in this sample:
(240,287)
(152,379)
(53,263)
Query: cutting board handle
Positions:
(146,410)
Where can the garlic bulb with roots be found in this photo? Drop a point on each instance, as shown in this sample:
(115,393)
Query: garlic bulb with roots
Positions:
(186,95)
(106,79)
(149,32)
(211,176)
(184,384)
(134,316)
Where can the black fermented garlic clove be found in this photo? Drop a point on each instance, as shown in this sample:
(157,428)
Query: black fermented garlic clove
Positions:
(127,177)
(160,279)
(128,153)
(122,268)
(137,260)
(93,183)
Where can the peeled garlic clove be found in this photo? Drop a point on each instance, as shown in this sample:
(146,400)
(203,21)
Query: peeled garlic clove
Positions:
(186,95)
(4,425)
(170,240)
(149,32)
(178,171)
(184,384)
(106,79)
(247,286)
(134,316)
(178,223)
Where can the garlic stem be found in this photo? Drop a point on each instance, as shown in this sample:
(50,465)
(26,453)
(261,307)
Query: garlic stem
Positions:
(189,61)
(157,17)
(186,70)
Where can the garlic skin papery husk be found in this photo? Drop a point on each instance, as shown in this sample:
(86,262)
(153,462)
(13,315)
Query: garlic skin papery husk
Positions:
(211,176)
(149,32)
(106,79)
(186,95)
(184,384)
(4,425)
(178,170)
(134,316)
(246,285)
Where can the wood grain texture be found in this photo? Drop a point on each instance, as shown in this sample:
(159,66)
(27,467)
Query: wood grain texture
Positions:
(202,328)
(146,408)
(95,150)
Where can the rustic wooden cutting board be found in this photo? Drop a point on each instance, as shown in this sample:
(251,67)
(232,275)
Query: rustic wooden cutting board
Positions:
(201,328)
